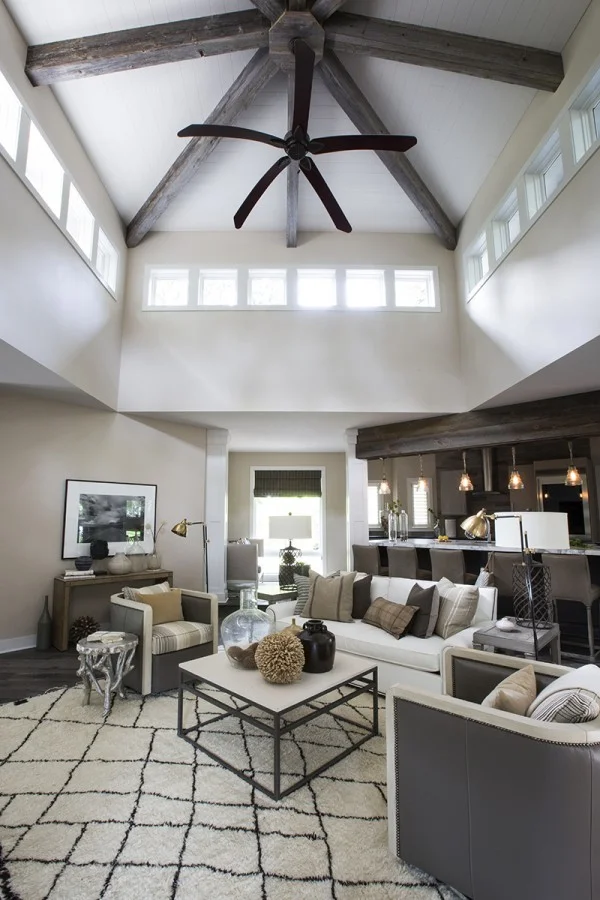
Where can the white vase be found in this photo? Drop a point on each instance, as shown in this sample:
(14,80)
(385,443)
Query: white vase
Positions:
(119,564)
(137,557)
(153,560)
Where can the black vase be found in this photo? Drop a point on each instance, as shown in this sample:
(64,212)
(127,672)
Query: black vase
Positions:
(44,628)
(83,563)
(319,646)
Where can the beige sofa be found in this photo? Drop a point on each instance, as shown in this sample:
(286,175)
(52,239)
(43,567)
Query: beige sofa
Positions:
(412,661)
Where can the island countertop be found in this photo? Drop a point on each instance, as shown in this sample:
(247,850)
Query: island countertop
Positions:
(481,546)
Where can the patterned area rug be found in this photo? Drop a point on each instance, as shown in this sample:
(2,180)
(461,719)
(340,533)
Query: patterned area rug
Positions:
(128,810)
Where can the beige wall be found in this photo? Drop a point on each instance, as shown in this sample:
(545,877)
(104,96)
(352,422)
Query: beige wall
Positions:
(239,501)
(294,360)
(44,443)
(398,469)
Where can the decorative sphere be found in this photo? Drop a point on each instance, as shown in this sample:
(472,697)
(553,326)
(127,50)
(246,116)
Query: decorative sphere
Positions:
(280,658)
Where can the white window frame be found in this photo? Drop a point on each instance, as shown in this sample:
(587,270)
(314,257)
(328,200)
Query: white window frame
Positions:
(12,151)
(410,483)
(477,263)
(206,274)
(380,504)
(158,273)
(408,273)
(364,274)
(266,274)
(501,225)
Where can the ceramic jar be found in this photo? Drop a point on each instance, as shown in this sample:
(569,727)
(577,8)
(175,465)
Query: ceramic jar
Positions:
(119,564)
(319,646)
(137,556)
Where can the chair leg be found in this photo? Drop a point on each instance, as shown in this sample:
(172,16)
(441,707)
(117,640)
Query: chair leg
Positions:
(590,627)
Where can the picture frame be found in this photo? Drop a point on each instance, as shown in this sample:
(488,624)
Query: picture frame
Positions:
(116,512)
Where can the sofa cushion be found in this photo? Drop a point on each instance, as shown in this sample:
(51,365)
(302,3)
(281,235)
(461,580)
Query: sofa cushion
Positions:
(574,697)
(361,595)
(179,636)
(458,603)
(364,640)
(515,693)
(330,598)
(392,617)
(428,602)
(162,588)
(166,605)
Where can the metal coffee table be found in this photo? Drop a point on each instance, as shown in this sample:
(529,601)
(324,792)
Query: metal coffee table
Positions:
(277,701)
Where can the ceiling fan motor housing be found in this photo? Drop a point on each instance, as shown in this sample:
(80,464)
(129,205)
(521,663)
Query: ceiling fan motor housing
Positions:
(289,27)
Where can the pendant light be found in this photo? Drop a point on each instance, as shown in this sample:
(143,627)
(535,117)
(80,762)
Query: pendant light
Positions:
(384,485)
(422,481)
(572,478)
(465,483)
(515,482)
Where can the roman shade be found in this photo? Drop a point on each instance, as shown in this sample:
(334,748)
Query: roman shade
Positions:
(287,483)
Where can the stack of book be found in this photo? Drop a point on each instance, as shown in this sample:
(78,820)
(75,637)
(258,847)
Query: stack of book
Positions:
(76,573)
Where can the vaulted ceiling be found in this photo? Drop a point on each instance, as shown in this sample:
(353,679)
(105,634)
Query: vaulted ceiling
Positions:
(128,120)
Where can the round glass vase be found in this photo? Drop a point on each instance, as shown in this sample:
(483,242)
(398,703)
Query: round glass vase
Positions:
(153,560)
(242,630)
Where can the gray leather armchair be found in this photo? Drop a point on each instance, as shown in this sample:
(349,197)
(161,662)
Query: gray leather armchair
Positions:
(499,806)
(159,653)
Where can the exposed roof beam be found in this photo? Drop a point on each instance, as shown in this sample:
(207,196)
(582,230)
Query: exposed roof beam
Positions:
(322,9)
(419,46)
(569,417)
(99,54)
(240,95)
(293,177)
(272,9)
(361,113)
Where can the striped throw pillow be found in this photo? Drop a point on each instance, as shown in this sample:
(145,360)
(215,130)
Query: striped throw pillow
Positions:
(302,583)
(572,706)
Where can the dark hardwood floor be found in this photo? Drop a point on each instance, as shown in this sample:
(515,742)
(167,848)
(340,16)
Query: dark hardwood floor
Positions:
(25,673)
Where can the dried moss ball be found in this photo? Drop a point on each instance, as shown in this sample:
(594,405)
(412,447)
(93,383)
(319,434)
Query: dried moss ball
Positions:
(280,658)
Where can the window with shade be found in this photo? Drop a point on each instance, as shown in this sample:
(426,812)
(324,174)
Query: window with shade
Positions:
(419,502)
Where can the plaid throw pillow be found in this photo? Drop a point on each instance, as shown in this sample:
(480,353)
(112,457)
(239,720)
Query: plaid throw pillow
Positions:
(391,617)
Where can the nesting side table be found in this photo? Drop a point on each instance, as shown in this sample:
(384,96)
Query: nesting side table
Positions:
(519,641)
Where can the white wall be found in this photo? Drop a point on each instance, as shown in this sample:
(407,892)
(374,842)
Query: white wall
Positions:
(52,306)
(542,300)
(240,508)
(290,360)
(44,443)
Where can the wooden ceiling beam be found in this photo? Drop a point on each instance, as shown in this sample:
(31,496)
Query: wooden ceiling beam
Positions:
(358,109)
(293,178)
(323,9)
(152,45)
(575,416)
(272,9)
(238,98)
(454,52)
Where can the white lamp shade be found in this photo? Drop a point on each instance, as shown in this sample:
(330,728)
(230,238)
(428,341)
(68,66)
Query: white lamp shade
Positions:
(290,527)
(545,530)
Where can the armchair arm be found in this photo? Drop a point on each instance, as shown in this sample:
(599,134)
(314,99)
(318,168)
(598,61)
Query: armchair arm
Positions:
(199,606)
(135,618)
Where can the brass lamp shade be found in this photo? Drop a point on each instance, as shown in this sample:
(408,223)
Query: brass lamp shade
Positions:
(477,526)
(181,528)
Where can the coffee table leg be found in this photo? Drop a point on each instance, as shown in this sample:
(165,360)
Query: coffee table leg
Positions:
(276,756)
(180,705)
(375,702)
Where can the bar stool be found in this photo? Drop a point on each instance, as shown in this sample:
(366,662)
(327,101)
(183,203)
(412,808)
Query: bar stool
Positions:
(500,566)
(366,558)
(570,580)
(403,563)
(450,564)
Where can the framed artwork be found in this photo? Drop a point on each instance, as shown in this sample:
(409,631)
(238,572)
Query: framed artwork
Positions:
(106,510)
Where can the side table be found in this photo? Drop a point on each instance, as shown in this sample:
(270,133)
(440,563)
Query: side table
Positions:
(109,661)
(520,640)
(272,593)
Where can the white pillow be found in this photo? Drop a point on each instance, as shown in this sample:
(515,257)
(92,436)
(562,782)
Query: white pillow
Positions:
(161,588)
(574,697)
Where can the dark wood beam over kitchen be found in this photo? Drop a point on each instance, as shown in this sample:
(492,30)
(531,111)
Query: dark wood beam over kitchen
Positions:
(449,50)
(240,95)
(153,45)
(360,112)
(272,9)
(558,417)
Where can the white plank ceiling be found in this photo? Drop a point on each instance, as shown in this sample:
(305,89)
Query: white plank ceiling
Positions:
(128,121)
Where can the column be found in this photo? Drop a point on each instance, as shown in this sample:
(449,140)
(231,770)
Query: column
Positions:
(357,480)
(216,508)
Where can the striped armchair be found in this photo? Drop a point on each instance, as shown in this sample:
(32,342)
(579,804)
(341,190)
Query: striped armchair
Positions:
(161,648)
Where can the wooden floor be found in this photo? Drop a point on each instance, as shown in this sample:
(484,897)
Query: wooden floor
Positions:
(26,673)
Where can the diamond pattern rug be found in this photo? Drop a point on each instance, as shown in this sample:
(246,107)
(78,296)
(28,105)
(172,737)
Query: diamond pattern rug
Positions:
(126,809)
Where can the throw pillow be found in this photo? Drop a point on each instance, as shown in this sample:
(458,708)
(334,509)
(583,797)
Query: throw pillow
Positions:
(330,598)
(166,605)
(572,695)
(130,593)
(427,601)
(484,579)
(361,595)
(458,604)
(515,694)
(302,583)
(391,617)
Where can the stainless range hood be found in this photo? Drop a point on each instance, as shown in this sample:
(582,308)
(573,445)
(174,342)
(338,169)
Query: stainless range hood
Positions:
(487,459)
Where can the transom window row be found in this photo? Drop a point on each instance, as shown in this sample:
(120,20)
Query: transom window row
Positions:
(305,288)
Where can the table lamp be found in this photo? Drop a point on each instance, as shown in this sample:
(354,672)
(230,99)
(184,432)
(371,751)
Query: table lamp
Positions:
(287,528)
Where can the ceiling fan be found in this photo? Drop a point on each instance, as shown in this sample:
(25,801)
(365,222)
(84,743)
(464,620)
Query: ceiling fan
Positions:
(297,143)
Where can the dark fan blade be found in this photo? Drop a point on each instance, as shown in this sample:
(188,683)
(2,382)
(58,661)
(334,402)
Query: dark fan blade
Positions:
(327,199)
(303,79)
(231,131)
(259,189)
(398,142)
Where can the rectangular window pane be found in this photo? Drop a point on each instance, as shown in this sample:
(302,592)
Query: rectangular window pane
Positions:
(169,287)
(218,287)
(514,226)
(106,260)
(44,171)
(267,287)
(596,117)
(552,176)
(500,238)
(80,221)
(316,288)
(10,117)
(414,289)
(420,505)
(373,504)
(365,288)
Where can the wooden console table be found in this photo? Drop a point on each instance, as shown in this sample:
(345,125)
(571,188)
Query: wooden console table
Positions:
(61,601)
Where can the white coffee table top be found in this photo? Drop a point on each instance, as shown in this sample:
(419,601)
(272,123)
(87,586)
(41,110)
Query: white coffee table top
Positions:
(251,686)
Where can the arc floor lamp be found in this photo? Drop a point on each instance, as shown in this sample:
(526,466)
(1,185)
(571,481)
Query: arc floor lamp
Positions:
(181,529)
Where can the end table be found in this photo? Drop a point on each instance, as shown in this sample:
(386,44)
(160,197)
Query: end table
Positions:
(109,661)
(519,641)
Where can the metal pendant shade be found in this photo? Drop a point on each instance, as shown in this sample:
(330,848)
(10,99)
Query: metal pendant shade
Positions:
(477,526)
